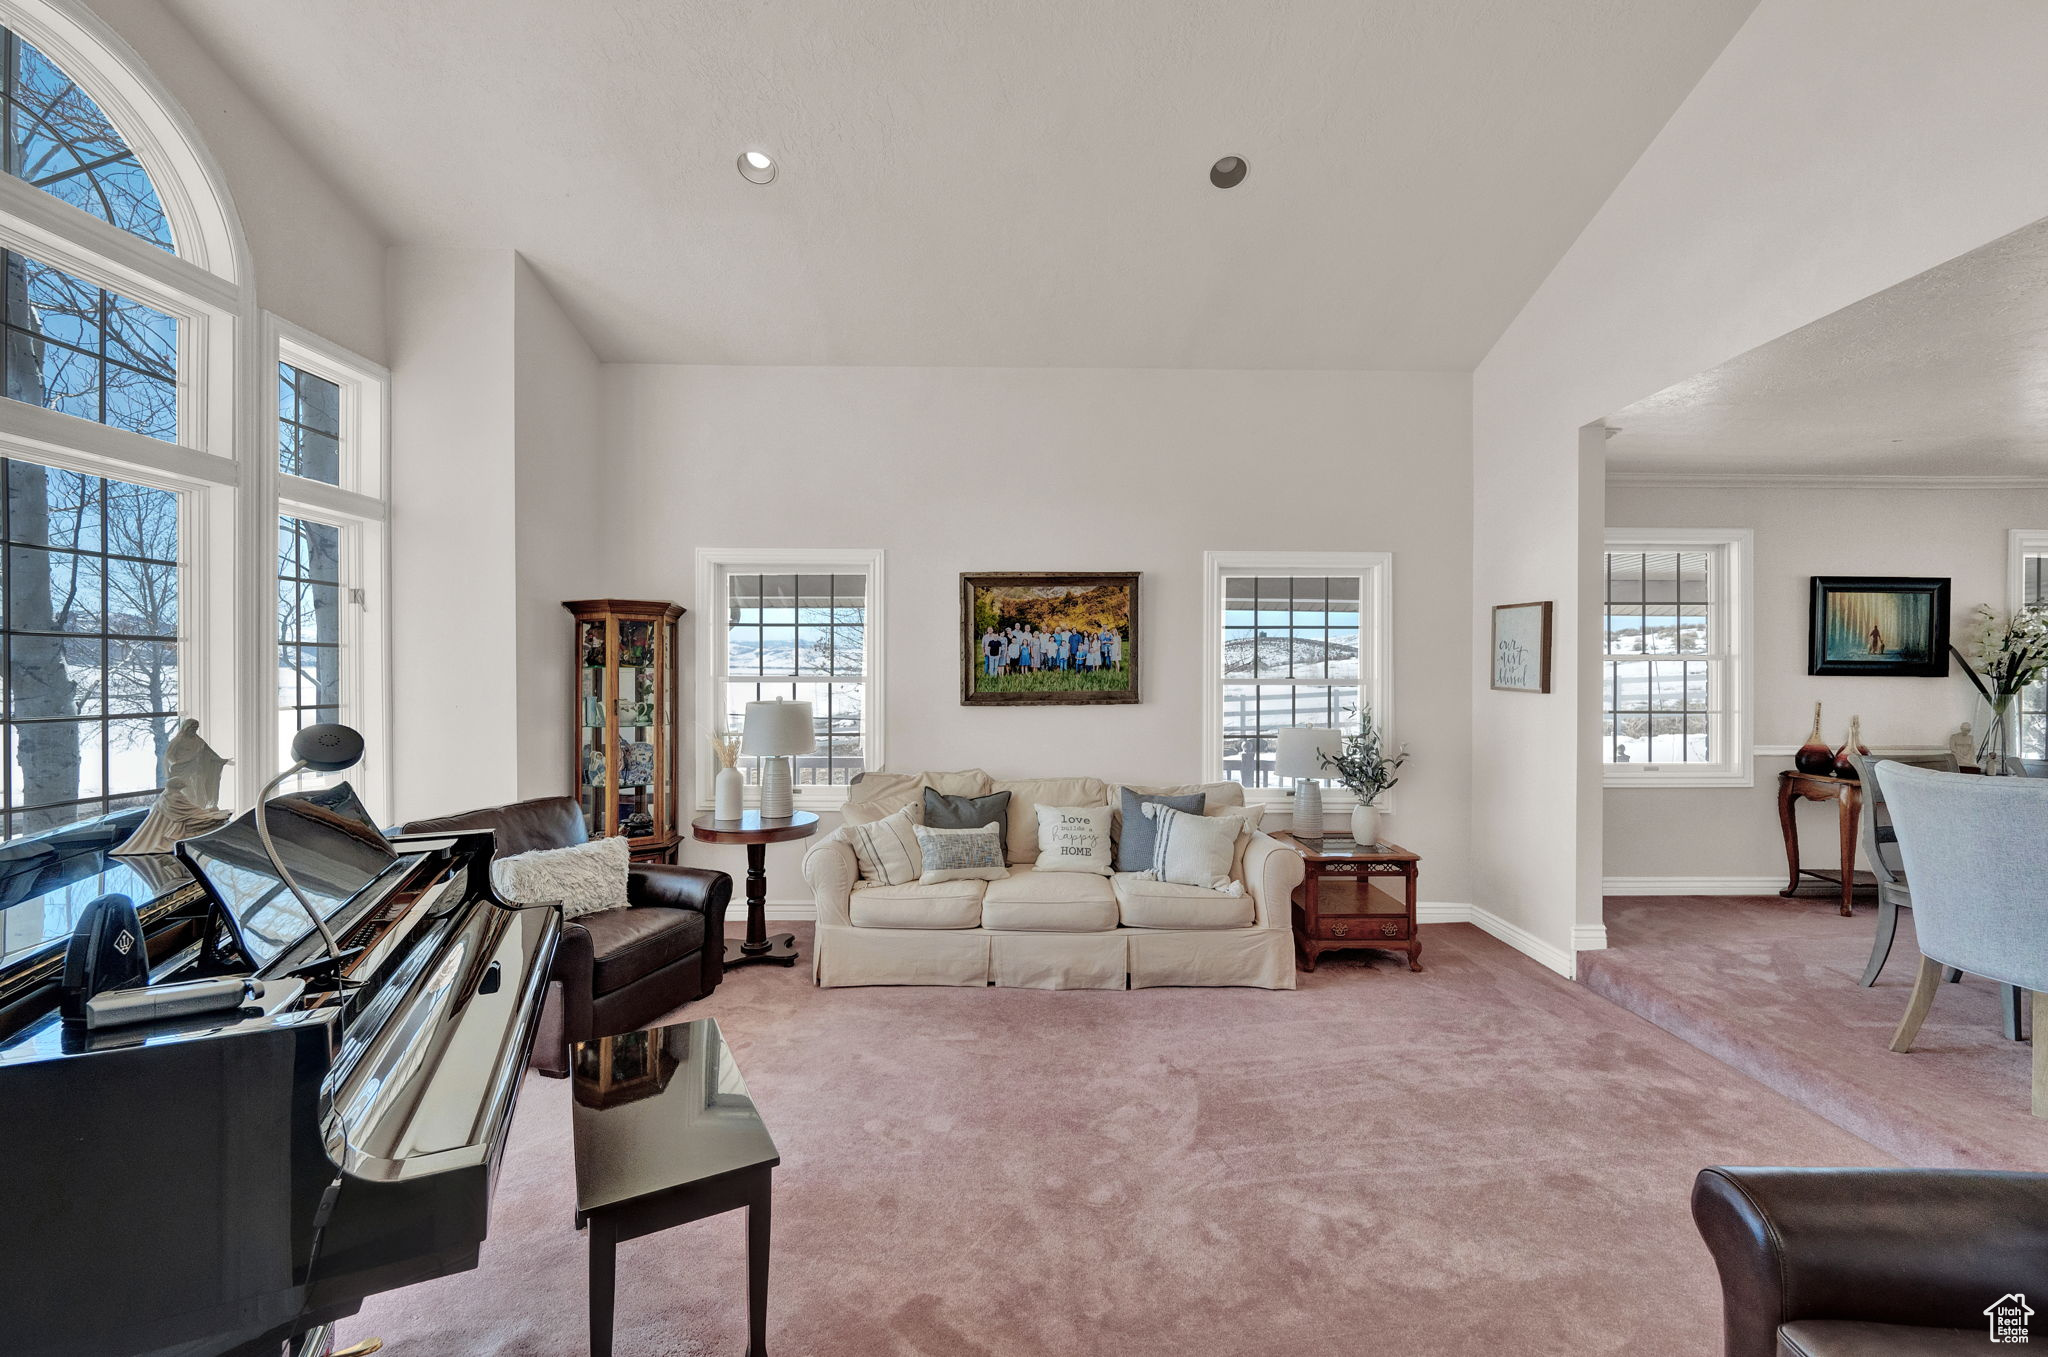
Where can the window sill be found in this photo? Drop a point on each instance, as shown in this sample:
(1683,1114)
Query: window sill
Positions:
(1675,776)
(806,798)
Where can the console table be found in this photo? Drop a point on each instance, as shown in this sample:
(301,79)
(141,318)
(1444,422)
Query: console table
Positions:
(1847,794)
(1341,902)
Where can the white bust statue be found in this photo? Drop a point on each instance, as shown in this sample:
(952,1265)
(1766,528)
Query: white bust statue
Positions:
(190,801)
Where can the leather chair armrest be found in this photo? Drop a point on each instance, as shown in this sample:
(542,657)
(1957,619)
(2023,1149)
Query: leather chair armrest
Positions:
(1890,1246)
(574,971)
(701,889)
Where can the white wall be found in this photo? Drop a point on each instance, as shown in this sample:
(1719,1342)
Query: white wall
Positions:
(956,469)
(318,261)
(1732,832)
(563,546)
(1837,147)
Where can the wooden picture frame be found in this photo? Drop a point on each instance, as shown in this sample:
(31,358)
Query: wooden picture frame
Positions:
(1878,626)
(1080,657)
(1519,659)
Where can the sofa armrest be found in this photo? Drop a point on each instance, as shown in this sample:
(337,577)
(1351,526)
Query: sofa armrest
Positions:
(830,871)
(1271,872)
(1928,1247)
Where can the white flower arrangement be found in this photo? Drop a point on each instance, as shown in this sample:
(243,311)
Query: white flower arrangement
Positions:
(2010,653)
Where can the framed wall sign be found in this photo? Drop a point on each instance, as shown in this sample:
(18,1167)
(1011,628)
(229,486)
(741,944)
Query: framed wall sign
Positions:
(1048,639)
(1521,647)
(1889,625)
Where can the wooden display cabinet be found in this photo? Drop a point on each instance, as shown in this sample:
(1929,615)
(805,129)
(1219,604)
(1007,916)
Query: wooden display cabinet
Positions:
(625,722)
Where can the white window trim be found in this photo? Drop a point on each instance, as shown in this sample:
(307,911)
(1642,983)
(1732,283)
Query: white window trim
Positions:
(1738,769)
(1376,568)
(713,565)
(2020,544)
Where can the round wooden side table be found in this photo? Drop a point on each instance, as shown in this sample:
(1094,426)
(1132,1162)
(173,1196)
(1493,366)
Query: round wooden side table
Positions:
(757,833)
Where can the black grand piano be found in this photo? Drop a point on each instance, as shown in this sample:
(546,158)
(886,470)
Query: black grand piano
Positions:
(232,1183)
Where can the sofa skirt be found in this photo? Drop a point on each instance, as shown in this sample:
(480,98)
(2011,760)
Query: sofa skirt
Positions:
(1138,958)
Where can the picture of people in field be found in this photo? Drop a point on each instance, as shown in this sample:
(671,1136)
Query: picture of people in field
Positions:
(1050,638)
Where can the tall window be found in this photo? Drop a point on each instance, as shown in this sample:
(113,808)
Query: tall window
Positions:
(59,141)
(1673,684)
(1298,639)
(89,626)
(2030,590)
(131,489)
(803,626)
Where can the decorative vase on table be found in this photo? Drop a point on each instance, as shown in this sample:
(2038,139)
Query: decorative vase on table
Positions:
(1995,744)
(1365,824)
(728,794)
(1814,757)
(1853,745)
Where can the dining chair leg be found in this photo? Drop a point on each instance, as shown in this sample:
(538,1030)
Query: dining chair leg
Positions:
(2040,1055)
(1881,945)
(1925,985)
(2012,1000)
(1953,975)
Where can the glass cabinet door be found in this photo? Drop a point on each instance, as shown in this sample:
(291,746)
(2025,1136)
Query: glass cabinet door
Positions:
(593,669)
(636,712)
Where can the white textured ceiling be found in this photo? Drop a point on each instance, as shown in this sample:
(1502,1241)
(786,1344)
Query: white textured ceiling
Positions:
(1945,374)
(1000,182)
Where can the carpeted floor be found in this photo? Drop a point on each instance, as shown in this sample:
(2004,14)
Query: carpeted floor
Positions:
(1482,1158)
(1769,986)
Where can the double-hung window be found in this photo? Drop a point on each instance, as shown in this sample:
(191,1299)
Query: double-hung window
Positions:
(1293,639)
(2029,550)
(798,625)
(1675,677)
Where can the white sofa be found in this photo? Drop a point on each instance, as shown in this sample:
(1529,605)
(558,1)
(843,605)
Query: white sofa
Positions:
(1047,930)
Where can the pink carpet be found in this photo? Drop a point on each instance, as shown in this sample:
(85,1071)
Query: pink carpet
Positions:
(1479,1159)
(1769,986)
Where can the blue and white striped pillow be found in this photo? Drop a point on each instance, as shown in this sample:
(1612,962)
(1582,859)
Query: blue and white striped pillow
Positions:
(1193,850)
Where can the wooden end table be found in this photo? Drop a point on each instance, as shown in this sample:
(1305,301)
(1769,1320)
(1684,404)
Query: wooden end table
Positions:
(1847,794)
(757,833)
(1341,904)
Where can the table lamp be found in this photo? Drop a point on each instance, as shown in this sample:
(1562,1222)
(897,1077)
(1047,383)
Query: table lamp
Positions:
(772,732)
(1300,756)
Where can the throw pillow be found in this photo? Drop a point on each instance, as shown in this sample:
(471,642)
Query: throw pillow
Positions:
(583,878)
(887,849)
(1075,839)
(1134,845)
(1194,850)
(961,854)
(942,811)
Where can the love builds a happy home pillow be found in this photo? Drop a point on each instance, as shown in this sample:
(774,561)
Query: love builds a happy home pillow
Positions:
(584,878)
(1075,839)
(887,850)
(961,854)
(1194,850)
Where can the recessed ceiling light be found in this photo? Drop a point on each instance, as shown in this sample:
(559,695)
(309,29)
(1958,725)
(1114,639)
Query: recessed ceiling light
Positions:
(757,167)
(1228,172)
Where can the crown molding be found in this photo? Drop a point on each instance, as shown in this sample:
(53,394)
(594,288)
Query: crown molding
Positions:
(1793,480)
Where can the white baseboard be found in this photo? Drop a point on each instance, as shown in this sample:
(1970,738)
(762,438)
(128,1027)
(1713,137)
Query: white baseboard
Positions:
(1585,938)
(1692,885)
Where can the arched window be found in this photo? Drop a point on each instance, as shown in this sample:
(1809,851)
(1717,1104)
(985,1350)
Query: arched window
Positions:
(134,490)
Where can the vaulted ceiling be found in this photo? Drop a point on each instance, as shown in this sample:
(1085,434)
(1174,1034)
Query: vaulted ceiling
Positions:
(991,182)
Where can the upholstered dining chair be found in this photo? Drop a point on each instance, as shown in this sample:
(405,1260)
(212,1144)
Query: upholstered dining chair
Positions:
(1880,845)
(1976,851)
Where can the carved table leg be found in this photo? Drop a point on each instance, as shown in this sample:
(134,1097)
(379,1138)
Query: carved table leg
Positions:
(1788,822)
(1848,812)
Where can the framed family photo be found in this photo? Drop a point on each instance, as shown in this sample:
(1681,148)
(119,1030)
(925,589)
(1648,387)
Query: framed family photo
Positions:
(1521,647)
(1878,625)
(1048,639)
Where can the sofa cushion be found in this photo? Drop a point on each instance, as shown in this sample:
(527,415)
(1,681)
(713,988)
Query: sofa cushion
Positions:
(1050,902)
(1136,830)
(1028,794)
(938,904)
(1145,903)
(942,811)
(893,791)
(628,945)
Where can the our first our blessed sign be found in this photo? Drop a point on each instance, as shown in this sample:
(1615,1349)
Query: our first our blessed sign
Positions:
(1521,647)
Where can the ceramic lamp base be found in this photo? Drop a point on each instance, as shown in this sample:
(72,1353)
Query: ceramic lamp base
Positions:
(1308,809)
(777,801)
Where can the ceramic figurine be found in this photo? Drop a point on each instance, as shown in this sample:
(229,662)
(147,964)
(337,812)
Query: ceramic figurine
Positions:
(189,757)
(1962,747)
(190,801)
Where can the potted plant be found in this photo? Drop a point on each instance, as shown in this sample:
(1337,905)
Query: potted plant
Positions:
(2002,658)
(1366,769)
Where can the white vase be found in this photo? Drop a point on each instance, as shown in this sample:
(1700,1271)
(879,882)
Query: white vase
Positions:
(728,795)
(1365,824)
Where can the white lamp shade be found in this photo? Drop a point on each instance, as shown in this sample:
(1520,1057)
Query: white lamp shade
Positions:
(778,728)
(1301,749)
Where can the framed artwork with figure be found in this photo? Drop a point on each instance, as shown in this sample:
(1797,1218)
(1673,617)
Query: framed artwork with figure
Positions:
(1068,639)
(1878,625)
(1521,647)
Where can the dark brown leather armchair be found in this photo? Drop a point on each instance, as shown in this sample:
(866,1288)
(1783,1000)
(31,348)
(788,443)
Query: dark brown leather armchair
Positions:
(619,969)
(1862,1262)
